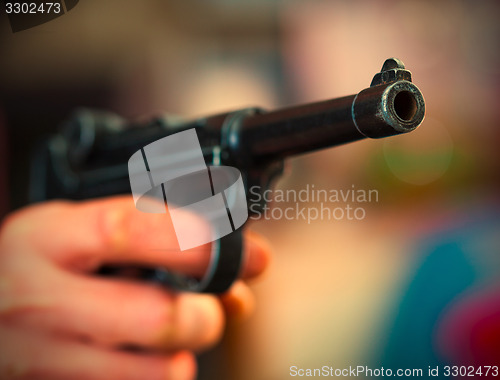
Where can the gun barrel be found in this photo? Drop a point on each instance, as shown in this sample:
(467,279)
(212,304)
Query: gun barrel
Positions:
(89,157)
(378,111)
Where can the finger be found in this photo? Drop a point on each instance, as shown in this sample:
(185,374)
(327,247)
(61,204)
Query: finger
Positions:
(27,355)
(119,313)
(238,301)
(88,234)
(258,254)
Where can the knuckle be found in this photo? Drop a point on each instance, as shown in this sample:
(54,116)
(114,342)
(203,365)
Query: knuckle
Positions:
(159,317)
(163,315)
(19,296)
(193,322)
(18,225)
(21,292)
(112,226)
(199,322)
(214,324)
(122,227)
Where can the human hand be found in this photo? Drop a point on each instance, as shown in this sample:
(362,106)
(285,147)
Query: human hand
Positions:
(60,321)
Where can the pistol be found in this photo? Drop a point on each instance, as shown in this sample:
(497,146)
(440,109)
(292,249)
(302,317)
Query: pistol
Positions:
(89,157)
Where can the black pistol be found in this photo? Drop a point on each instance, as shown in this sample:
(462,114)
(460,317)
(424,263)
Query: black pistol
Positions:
(89,157)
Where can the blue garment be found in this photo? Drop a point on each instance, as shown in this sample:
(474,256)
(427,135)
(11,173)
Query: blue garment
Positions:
(452,263)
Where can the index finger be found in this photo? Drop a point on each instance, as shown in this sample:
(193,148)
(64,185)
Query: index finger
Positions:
(85,235)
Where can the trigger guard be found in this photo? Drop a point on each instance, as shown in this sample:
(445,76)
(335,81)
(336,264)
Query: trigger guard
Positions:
(223,269)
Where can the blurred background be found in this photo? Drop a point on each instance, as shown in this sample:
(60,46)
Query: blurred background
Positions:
(415,283)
